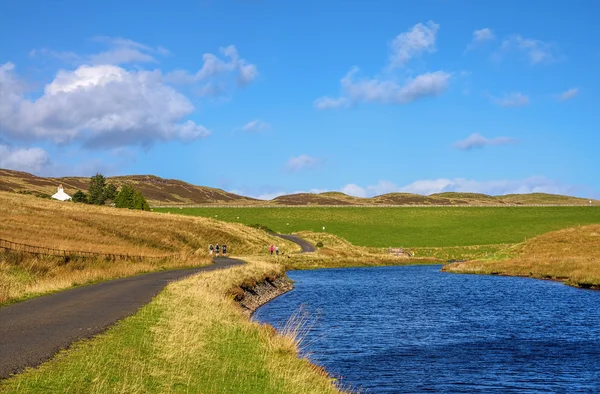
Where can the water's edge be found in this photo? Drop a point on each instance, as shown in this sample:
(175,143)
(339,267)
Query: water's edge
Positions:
(264,292)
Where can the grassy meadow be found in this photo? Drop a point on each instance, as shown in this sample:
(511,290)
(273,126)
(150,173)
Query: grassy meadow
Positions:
(191,338)
(414,227)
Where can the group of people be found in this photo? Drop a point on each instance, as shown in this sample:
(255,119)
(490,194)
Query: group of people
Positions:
(274,249)
(217,249)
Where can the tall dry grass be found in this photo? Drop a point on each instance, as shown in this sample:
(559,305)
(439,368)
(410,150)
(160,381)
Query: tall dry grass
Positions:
(191,338)
(23,275)
(572,254)
(79,227)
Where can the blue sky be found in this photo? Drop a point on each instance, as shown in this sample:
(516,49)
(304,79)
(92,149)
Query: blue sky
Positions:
(262,97)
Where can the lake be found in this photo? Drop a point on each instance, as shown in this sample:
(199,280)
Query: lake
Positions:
(415,329)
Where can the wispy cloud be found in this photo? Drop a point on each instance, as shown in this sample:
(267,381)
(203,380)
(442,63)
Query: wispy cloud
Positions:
(389,89)
(533,184)
(477,141)
(536,51)
(481,36)
(256,126)
(515,99)
(568,94)
(120,51)
(215,67)
(407,45)
(302,162)
(386,91)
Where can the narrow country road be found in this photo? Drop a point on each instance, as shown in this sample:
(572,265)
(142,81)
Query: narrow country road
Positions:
(32,331)
(306,246)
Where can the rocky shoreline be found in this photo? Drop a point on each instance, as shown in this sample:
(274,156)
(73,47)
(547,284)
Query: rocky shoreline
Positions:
(264,292)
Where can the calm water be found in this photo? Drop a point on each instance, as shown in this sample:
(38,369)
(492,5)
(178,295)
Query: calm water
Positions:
(415,329)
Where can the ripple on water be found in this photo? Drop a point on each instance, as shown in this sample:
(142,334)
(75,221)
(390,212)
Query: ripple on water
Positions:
(416,329)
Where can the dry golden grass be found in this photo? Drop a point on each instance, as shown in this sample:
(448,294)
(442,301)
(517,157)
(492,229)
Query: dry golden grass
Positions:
(71,226)
(572,255)
(337,252)
(191,338)
(78,227)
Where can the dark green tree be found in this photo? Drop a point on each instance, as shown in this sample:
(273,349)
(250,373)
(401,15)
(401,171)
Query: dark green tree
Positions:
(96,191)
(110,192)
(80,196)
(139,202)
(130,198)
(125,197)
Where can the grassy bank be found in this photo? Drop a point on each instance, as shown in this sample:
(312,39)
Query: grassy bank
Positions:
(430,227)
(571,255)
(336,252)
(191,338)
(182,240)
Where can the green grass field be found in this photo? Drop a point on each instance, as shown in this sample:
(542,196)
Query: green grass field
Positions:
(410,226)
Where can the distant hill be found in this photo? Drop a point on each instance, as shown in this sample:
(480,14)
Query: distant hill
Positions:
(160,191)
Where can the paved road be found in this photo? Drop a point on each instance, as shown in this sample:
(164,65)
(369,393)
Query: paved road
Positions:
(306,246)
(32,331)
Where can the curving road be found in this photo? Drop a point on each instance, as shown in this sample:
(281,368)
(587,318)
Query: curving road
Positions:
(32,331)
(306,246)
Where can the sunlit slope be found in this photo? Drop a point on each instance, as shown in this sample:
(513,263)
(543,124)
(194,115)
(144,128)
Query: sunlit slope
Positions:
(571,254)
(411,227)
(71,226)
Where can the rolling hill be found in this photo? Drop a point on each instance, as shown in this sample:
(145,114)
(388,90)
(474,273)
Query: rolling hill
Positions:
(156,190)
(171,192)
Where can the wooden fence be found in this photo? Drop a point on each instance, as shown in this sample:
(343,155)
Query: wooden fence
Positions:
(68,254)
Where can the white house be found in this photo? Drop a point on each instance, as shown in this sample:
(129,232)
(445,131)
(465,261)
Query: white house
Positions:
(61,195)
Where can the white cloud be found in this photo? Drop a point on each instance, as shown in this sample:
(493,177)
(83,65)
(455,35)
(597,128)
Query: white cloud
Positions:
(389,89)
(405,46)
(386,91)
(213,67)
(476,140)
(328,102)
(498,187)
(120,51)
(100,106)
(536,51)
(256,126)
(354,190)
(440,185)
(302,162)
(270,196)
(569,94)
(481,36)
(28,159)
(515,99)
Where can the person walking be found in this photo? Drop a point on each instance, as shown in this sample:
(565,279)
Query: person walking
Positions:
(272,249)
(277,250)
(211,249)
(217,249)
(224,248)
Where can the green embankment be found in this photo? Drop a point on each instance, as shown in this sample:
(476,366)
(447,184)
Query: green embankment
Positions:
(192,338)
(410,226)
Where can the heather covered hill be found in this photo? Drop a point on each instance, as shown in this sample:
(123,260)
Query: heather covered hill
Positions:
(171,192)
(155,189)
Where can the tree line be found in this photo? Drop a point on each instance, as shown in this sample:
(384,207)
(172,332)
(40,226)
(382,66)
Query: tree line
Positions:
(100,192)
